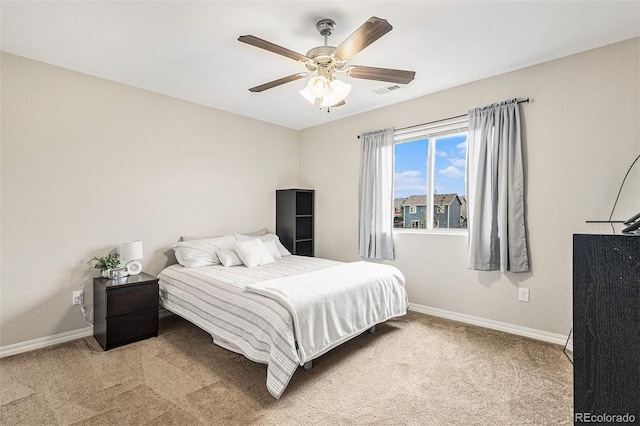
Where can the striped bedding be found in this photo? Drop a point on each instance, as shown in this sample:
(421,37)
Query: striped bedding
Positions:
(261,328)
(213,298)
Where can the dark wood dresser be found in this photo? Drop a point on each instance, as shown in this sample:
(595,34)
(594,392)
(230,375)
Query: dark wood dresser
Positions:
(606,321)
(125,309)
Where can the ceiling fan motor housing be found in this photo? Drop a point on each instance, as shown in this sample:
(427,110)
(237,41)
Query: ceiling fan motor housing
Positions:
(321,54)
(322,59)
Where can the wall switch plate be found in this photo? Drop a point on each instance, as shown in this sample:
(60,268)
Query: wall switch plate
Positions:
(78,297)
(523,294)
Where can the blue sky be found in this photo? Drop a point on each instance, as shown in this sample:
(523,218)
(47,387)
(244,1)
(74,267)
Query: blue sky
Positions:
(411,167)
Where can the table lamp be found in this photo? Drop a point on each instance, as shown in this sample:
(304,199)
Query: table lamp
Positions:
(131,252)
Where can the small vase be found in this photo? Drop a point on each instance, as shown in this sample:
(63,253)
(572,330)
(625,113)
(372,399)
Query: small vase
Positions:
(105,273)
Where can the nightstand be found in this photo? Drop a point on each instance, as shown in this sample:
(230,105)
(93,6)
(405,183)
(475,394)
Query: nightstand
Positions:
(125,310)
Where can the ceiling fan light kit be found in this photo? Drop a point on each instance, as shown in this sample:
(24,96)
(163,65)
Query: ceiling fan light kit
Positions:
(323,89)
(318,86)
(325,93)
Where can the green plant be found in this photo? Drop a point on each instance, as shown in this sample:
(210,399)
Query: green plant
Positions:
(110,261)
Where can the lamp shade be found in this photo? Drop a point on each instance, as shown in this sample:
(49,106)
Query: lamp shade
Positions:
(131,250)
(337,93)
(307,95)
(318,86)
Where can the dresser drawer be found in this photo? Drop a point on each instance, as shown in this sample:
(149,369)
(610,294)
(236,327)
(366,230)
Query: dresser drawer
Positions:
(125,300)
(129,328)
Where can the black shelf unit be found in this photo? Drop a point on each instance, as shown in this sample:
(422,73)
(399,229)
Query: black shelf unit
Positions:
(294,220)
(606,325)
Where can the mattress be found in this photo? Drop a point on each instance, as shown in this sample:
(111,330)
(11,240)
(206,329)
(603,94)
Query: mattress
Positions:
(261,328)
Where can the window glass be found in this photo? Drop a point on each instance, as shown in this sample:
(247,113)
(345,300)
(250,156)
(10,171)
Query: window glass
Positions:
(449,198)
(410,180)
(429,188)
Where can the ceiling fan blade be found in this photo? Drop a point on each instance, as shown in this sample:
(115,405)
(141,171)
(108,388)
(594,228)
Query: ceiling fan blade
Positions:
(263,44)
(381,74)
(278,82)
(368,32)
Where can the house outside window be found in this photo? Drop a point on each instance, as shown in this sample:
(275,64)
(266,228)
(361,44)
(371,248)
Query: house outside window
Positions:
(398,213)
(429,176)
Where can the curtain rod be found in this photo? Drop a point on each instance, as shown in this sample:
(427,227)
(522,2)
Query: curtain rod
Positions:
(445,119)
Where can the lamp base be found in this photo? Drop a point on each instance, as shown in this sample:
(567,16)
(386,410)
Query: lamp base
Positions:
(134,267)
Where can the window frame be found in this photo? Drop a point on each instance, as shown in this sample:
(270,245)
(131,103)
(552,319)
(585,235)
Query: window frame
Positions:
(433,131)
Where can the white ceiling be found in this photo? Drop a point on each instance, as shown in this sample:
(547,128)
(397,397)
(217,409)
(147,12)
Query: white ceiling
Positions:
(189,50)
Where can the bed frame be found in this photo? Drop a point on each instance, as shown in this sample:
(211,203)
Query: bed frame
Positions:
(233,348)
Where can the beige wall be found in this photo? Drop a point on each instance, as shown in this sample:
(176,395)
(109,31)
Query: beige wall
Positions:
(88,163)
(581,133)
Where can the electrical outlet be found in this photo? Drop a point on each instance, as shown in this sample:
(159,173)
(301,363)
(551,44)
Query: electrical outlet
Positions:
(78,297)
(523,294)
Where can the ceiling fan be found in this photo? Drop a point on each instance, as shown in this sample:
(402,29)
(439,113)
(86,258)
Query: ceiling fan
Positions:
(324,62)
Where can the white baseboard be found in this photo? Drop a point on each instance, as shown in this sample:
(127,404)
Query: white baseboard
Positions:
(68,336)
(545,336)
(558,339)
(43,342)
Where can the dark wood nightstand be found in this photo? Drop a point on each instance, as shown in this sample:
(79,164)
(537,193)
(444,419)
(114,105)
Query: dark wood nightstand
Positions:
(125,309)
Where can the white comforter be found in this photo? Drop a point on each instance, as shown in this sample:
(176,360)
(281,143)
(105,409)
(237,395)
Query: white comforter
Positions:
(332,305)
(215,299)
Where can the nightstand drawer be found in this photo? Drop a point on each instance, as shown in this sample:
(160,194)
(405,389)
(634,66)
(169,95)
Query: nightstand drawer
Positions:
(132,299)
(125,329)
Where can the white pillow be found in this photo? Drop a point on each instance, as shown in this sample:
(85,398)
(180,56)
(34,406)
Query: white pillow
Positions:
(253,253)
(202,252)
(244,237)
(229,257)
(258,233)
(267,237)
(281,248)
(273,249)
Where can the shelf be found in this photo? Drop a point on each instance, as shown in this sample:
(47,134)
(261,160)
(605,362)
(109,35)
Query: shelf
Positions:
(294,220)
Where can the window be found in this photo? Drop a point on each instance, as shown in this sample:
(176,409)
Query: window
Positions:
(429,175)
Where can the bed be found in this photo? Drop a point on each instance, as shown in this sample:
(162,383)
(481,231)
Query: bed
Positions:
(285,312)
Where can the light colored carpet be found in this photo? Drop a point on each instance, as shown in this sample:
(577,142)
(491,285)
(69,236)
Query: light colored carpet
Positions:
(417,370)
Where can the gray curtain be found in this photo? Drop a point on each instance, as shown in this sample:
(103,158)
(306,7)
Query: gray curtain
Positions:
(376,195)
(495,190)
